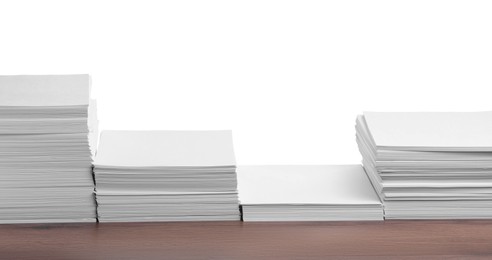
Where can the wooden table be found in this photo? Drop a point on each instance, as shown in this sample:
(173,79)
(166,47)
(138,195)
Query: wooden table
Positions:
(462,239)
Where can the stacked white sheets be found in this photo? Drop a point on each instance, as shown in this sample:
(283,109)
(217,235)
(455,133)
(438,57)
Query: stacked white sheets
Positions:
(45,155)
(166,176)
(307,193)
(429,165)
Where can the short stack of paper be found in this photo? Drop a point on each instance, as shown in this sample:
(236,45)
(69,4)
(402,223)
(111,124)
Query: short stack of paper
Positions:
(166,176)
(307,193)
(46,162)
(429,165)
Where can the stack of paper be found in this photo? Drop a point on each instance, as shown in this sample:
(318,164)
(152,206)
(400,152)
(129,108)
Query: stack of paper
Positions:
(45,158)
(429,165)
(307,193)
(166,176)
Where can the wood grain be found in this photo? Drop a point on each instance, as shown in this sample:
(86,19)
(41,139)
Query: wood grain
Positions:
(463,239)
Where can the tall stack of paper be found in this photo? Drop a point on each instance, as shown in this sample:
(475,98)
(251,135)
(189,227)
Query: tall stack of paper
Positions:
(307,193)
(429,165)
(46,162)
(166,176)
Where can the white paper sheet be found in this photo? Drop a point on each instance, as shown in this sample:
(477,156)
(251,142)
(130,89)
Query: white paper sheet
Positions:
(433,131)
(44,90)
(165,148)
(305,184)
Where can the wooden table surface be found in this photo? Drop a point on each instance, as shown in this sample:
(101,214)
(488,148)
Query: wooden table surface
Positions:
(460,239)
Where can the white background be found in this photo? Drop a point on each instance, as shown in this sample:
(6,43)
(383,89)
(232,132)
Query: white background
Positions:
(288,77)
